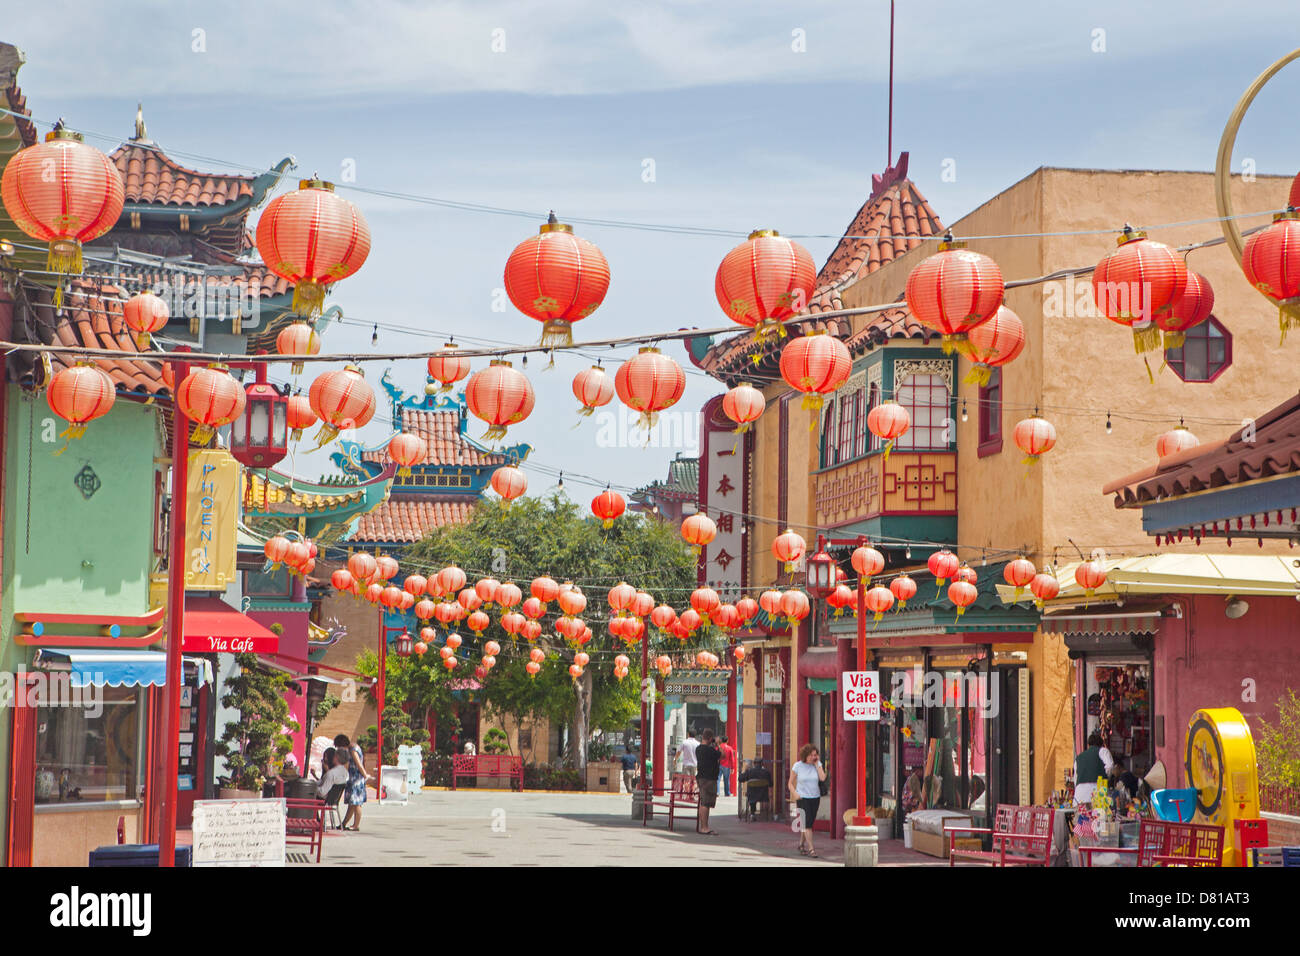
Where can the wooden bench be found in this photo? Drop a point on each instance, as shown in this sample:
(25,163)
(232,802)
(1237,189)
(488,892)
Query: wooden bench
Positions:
(682,793)
(488,765)
(304,823)
(1167,843)
(1020,836)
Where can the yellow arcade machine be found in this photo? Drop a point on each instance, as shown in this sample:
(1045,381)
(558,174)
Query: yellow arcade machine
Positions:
(1220,763)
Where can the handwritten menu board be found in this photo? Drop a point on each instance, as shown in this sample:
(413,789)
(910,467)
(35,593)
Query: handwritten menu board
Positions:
(239,832)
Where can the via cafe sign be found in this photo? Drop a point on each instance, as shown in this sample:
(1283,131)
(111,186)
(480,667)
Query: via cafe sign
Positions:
(212,644)
(860,695)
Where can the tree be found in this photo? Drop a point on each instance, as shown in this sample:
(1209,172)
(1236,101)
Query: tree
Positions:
(1279,745)
(414,687)
(532,537)
(257,741)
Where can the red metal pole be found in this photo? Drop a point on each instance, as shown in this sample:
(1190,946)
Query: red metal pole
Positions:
(661,743)
(731,712)
(383,666)
(858,819)
(646,710)
(175,628)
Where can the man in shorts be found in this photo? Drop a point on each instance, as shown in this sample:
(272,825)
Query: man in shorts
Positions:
(708,759)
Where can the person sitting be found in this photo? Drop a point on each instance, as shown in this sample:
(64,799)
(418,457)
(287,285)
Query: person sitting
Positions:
(757,781)
(333,781)
(1093,764)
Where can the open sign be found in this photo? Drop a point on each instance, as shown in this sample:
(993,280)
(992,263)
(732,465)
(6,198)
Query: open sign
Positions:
(860,695)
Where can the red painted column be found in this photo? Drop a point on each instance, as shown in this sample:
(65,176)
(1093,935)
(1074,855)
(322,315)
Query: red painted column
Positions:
(661,737)
(860,772)
(22,779)
(170,741)
(846,765)
(383,663)
(803,696)
(731,715)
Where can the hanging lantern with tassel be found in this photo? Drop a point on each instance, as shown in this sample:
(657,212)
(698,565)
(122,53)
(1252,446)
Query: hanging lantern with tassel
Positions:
(556,278)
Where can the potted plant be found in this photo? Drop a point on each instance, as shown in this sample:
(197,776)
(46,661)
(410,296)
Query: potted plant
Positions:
(259,740)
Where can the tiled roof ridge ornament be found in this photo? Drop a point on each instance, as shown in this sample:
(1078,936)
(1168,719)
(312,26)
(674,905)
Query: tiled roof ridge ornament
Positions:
(141,134)
(892,175)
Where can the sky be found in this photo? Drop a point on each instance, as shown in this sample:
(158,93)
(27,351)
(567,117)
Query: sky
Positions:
(725,115)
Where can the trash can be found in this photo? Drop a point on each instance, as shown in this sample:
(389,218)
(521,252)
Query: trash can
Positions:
(300,788)
(137,854)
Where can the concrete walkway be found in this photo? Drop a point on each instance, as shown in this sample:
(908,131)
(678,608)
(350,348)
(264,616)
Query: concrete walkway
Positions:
(494,828)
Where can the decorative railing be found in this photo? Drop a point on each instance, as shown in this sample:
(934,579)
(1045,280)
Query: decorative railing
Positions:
(907,483)
(1278,799)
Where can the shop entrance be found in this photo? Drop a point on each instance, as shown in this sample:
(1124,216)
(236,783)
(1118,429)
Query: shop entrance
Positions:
(761,731)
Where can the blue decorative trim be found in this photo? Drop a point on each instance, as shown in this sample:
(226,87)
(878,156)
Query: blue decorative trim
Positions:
(1229,501)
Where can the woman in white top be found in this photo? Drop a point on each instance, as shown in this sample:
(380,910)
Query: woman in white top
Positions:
(806,777)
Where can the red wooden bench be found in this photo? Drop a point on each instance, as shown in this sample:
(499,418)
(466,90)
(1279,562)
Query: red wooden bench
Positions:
(304,823)
(1021,836)
(1167,843)
(682,793)
(488,765)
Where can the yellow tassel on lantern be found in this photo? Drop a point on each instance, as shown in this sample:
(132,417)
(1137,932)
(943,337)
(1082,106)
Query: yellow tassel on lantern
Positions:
(495,432)
(309,298)
(1146,338)
(1174,340)
(889,446)
(326,435)
(557,332)
(979,375)
(63,259)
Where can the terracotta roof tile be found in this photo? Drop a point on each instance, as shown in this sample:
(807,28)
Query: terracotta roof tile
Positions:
(150,176)
(403,520)
(1270,448)
(92,318)
(18,103)
(442,437)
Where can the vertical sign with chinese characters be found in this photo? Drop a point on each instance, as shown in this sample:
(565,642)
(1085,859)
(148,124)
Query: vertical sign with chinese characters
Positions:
(773,677)
(211,513)
(722,494)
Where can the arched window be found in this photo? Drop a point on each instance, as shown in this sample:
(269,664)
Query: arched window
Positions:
(926,399)
(1206,352)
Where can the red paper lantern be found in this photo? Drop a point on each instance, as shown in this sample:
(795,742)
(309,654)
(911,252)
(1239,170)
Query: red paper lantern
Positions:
(342,580)
(770,601)
(451,579)
(532,667)
(943,565)
(313,238)
(557,279)
(575,671)
(210,398)
(903,588)
(690,620)
(373,592)
(341,399)
(448,366)
(417,584)
(391,597)
(789,547)
(746,608)
(509,482)
(868,562)
(468,599)
(966,573)
(533,608)
(80,394)
(1271,262)
(299,415)
(953,291)
(478,622)
(454,641)
(486,589)
(385,567)
(1175,440)
(449,662)
(500,395)
(593,388)
(408,599)
(508,594)
(406,450)
(815,364)
(362,566)
(648,383)
(962,594)
(1019,574)
(663,617)
(513,623)
(572,601)
(795,606)
(1035,437)
(298,338)
(1136,285)
(994,343)
(641,605)
(743,404)
(607,506)
(1188,310)
(62,192)
(425,609)
(698,530)
(537,655)
(879,600)
(888,421)
(765,279)
(421,648)
(705,601)
(739,652)
(620,597)
(1090,575)
(144,314)
(1044,587)
(726,617)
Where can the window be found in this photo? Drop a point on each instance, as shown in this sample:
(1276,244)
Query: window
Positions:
(873,442)
(926,399)
(990,415)
(844,427)
(1206,352)
(88,753)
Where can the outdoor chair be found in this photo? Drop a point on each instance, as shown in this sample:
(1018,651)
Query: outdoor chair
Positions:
(332,804)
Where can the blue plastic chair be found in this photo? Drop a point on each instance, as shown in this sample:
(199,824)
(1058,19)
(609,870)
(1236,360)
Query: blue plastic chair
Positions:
(1174,806)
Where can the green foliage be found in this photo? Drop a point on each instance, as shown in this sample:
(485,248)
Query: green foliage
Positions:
(414,687)
(554,536)
(257,739)
(328,703)
(495,741)
(1278,745)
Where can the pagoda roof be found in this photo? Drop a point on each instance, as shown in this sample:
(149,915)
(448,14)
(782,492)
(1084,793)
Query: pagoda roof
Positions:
(895,219)
(407,519)
(274,500)
(444,438)
(151,176)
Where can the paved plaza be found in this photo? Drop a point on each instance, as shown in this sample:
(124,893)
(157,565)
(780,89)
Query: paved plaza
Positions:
(494,828)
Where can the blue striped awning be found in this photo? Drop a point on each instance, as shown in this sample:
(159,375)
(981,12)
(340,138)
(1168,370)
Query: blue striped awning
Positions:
(112,668)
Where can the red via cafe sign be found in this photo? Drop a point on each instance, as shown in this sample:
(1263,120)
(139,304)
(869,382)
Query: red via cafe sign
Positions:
(860,695)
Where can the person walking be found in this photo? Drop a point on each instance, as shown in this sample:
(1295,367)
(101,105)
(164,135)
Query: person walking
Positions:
(709,763)
(805,786)
(628,760)
(357,777)
(728,763)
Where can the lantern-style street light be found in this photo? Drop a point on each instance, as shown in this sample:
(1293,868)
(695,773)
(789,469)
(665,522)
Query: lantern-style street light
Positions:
(821,571)
(403,644)
(260,437)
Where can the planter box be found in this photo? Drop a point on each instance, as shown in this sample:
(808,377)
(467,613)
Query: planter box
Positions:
(227,794)
(604,777)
